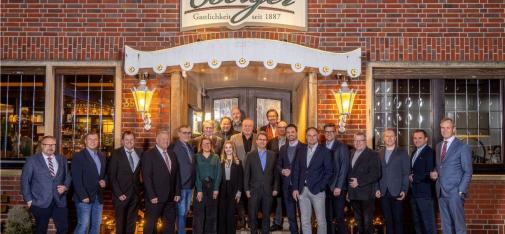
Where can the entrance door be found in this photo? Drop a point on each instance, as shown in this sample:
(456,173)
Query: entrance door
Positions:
(253,102)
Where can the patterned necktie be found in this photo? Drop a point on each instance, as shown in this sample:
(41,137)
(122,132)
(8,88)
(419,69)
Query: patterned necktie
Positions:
(167,161)
(130,160)
(444,151)
(51,166)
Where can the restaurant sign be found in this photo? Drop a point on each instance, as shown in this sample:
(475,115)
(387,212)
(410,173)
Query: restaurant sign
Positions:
(236,14)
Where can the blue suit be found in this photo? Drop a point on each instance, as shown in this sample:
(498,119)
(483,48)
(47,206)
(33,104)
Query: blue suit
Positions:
(317,175)
(454,175)
(39,187)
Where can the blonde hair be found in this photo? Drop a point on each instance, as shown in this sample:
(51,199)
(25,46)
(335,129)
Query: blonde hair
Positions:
(234,152)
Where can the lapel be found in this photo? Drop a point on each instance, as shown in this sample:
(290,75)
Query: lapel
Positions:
(42,164)
(160,156)
(360,159)
(90,160)
(316,152)
(418,156)
(452,148)
(61,166)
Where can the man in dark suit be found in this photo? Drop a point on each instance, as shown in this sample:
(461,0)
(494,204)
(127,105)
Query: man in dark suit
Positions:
(226,128)
(88,173)
(335,200)
(44,183)
(311,176)
(261,182)
(208,131)
(394,183)
(187,165)
(274,145)
(124,177)
(271,128)
(453,175)
(288,155)
(162,184)
(364,172)
(421,192)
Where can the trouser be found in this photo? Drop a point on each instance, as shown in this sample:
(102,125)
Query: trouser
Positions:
(164,210)
(393,211)
(290,205)
(205,212)
(278,210)
(363,213)
(452,214)
(42,216)
(126,213)
(182,210)
(260,199)
(89,215)
(316,201)
(227,208)
(423,215)
(335,216)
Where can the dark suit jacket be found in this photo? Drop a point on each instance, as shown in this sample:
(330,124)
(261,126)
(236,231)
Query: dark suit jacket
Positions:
(367,171)
(158,181)
(85,177)
(340,153)
(395,173)
(422,185)
(37,184)
(255,180)
(122,179)
(273,144)
(236,178)
(283,163)
(187,168)
(455,172)
(317,174)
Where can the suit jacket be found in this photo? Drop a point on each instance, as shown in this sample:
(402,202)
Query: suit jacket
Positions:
(122,179)
(395,173)
(317,174)
(255,179)
(239,144)
(159,182)
(268,130)
(273,144)
(283,163)
(37,184)
(422,185)
(217,142)
(367,171)
(187,168)
(340,153)
(236,178)
(455,172)
(226,135)
(85,177)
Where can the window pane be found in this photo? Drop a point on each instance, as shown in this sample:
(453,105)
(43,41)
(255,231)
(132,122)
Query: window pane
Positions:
(262,106)
(22,110)
(478,115)
(88,106)
(222,107)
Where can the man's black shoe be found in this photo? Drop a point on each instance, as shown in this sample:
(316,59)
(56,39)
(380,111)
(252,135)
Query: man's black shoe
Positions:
(275,227)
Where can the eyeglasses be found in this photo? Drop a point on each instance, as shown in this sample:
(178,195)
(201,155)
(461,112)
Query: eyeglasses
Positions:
(329,131)
(359,140)
(49,144)
(187,133)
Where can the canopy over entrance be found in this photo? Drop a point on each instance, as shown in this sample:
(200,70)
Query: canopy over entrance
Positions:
(242,52)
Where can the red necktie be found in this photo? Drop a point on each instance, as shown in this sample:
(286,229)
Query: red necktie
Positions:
(444,151)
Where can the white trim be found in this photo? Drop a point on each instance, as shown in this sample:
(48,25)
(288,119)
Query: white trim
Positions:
(242,51)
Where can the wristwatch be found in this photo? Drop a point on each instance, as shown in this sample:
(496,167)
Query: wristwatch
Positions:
(462,194)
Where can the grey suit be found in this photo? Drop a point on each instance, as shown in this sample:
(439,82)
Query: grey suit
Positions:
(454,175)
(39,187)
(239,144)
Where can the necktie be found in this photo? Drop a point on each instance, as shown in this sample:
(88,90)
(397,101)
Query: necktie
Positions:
(51,166)
(130,160)
(167,161)
(444,151)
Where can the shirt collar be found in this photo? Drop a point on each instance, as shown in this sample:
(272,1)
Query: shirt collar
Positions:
(421,148)
(293,144)
(330,143)
(450,140)
(91,152)
(47,156)
(161,150)
(262,151)
(126,150)
(314,147)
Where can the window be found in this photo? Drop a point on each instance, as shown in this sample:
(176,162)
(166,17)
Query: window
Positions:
(262,106)
(87,105)
(22,111)
(222,107)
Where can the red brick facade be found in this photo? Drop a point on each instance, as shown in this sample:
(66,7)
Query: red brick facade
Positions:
(387,31)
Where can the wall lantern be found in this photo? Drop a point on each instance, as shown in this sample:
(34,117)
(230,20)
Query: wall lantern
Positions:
(344,99)
(143,97)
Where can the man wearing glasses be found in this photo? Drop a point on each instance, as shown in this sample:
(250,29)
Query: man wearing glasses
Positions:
(186,159)
(335,197)
(44,183)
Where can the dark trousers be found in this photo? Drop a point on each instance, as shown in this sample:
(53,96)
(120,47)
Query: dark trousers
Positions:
(126,214)
(164,210)
(242,210)
(277,204)
(205,212)
(363,213)
(393,211)
(259,199)
(423,215)
(290,205)
(42,216)
(227,208)
(335,212)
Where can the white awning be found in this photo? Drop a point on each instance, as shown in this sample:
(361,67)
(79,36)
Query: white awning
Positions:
(242,52)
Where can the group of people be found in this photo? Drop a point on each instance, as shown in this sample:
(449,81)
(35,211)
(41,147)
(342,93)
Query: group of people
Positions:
(229,176)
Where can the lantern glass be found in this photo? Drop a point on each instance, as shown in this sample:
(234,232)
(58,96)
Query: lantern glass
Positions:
(345,101)
(142,99)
